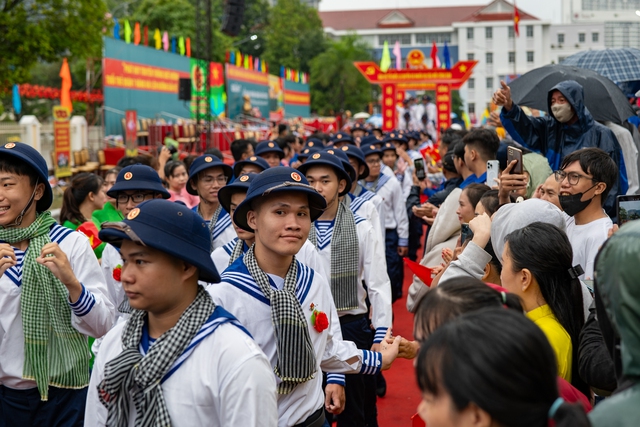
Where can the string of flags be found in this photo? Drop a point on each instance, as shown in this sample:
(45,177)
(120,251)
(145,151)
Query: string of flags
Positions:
(246,61)
(179,45)
(294,75)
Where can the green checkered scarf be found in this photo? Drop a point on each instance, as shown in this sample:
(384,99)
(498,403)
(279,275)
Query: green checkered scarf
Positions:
(55,353)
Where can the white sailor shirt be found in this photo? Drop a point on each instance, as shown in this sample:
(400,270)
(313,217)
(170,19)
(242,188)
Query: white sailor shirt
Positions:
(240,294)
(222,379)
(92,315)
(363,205)
(223,231)
(395,209)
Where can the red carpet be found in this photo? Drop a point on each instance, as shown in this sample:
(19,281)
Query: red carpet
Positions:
(403,395)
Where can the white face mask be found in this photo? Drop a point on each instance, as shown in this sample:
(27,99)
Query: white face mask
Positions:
(562,112)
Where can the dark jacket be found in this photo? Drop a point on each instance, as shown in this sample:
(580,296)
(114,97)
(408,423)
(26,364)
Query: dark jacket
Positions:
(555,140)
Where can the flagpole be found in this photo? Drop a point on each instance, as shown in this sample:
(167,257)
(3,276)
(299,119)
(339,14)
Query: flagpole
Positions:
(515,54)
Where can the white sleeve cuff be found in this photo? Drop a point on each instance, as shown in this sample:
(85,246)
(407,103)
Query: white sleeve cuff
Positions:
(85,303)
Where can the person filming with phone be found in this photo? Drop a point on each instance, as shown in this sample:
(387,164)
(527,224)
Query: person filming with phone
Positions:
(480,146)
(569,126)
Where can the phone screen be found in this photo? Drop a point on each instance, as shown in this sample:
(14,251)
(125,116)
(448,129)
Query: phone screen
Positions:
(465,233)
(419,165)
(628,209)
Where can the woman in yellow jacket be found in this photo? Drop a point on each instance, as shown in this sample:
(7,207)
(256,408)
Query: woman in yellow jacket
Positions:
(537,266)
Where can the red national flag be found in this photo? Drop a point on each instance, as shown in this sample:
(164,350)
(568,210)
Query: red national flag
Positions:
(516,20)
(423,273)
(434,56)
(90,230)
(65,90)
(136,34)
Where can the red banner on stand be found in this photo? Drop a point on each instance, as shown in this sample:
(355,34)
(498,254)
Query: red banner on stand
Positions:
(131,137)
(62,141)
(443,105)
(388,107)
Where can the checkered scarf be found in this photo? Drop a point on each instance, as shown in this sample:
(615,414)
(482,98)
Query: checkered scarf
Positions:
(296,357)
(345,249)
(141,377)
(237,251)
(55,353)
(212,223)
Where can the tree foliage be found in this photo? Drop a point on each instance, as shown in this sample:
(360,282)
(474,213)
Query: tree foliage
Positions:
(335,83)
(294,36)
(33,31)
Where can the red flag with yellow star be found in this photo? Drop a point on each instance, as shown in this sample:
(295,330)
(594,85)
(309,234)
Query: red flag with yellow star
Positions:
(516,20)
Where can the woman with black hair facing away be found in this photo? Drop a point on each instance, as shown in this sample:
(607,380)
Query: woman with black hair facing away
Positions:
(537,267)
(84,195)
(491,368)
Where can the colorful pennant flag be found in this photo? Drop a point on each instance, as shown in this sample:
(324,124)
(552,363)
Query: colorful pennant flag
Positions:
(246,62)
(238,59)
(173,45)
(516,19)
(127,31)
(17,103)
(447,56)
(181,45)
(397,52)
(385,61)
(136,34)
(165,41)
(158,39)
(65,90)
(116,29)
(188,47)
(434,56)
(146,36)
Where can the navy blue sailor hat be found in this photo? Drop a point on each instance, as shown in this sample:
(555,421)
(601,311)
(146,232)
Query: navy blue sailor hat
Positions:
(240,185)
(253,160)
(345,161)
(205,162)
(280,179)
(269,147)
(306,152)
(356,153)
(370,149)
(341,137)
(329,158)
(169,227)
(31,157)
(138,177)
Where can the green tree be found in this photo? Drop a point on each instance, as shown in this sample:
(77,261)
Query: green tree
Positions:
(34,31)
(335,83)
(294,36)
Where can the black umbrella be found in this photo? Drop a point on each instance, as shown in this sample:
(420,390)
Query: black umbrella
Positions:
(605,100)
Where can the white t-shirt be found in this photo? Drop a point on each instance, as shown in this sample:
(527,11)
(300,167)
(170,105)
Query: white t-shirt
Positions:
(586,240)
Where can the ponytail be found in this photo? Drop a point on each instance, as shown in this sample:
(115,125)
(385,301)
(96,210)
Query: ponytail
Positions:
(76,193)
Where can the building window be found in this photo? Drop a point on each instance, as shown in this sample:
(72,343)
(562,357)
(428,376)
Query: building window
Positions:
(469,33)
(595,37)
(472,108)
(560,38)
(512,32)
(489,82)
(512,57)
(471,83)
(428,38)
(404,39)
(530,56)
(581,37)
(529,31)
(489,58)
(471,56)
(488,32)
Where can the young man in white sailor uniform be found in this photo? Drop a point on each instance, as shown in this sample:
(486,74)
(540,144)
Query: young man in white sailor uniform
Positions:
(52,297)
(179,359)
(351,250)
(134,185)
(271,152)
(207,175)
(286,306)
(395,217)
(230,196)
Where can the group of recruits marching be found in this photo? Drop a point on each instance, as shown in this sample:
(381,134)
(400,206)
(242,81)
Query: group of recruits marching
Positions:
(248,309)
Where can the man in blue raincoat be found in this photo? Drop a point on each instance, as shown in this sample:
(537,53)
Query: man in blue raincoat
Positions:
(568,127)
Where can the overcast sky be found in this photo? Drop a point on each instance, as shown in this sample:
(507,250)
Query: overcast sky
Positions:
(548,10)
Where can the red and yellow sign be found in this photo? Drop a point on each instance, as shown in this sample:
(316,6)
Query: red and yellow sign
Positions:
(131,75)
(388,107)
(296,98)
(62,141)
(415,60)
(443,106)
(248,76)
(460,72)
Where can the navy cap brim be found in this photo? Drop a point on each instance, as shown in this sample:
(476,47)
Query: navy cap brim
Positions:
(342,174)
(194,171)
(225,193)
(317,205)
(43,177)
(207,271)
(137,185)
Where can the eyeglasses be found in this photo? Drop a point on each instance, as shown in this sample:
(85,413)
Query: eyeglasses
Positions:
(137,198)
(209,180)
(572,177)
(373,162)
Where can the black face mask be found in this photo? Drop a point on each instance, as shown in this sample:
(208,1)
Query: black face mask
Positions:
(573,204)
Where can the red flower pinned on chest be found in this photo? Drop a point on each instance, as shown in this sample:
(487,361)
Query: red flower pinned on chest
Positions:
(117,272)
(319,319)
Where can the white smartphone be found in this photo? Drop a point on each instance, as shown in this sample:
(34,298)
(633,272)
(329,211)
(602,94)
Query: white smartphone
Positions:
(493,172)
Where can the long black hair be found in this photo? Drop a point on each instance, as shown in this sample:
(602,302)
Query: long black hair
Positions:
(475,192)
(546,252)
(455,297)
(500,361)
(76,193)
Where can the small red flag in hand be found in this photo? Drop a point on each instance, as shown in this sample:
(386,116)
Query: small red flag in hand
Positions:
(423,273)
(90,230)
